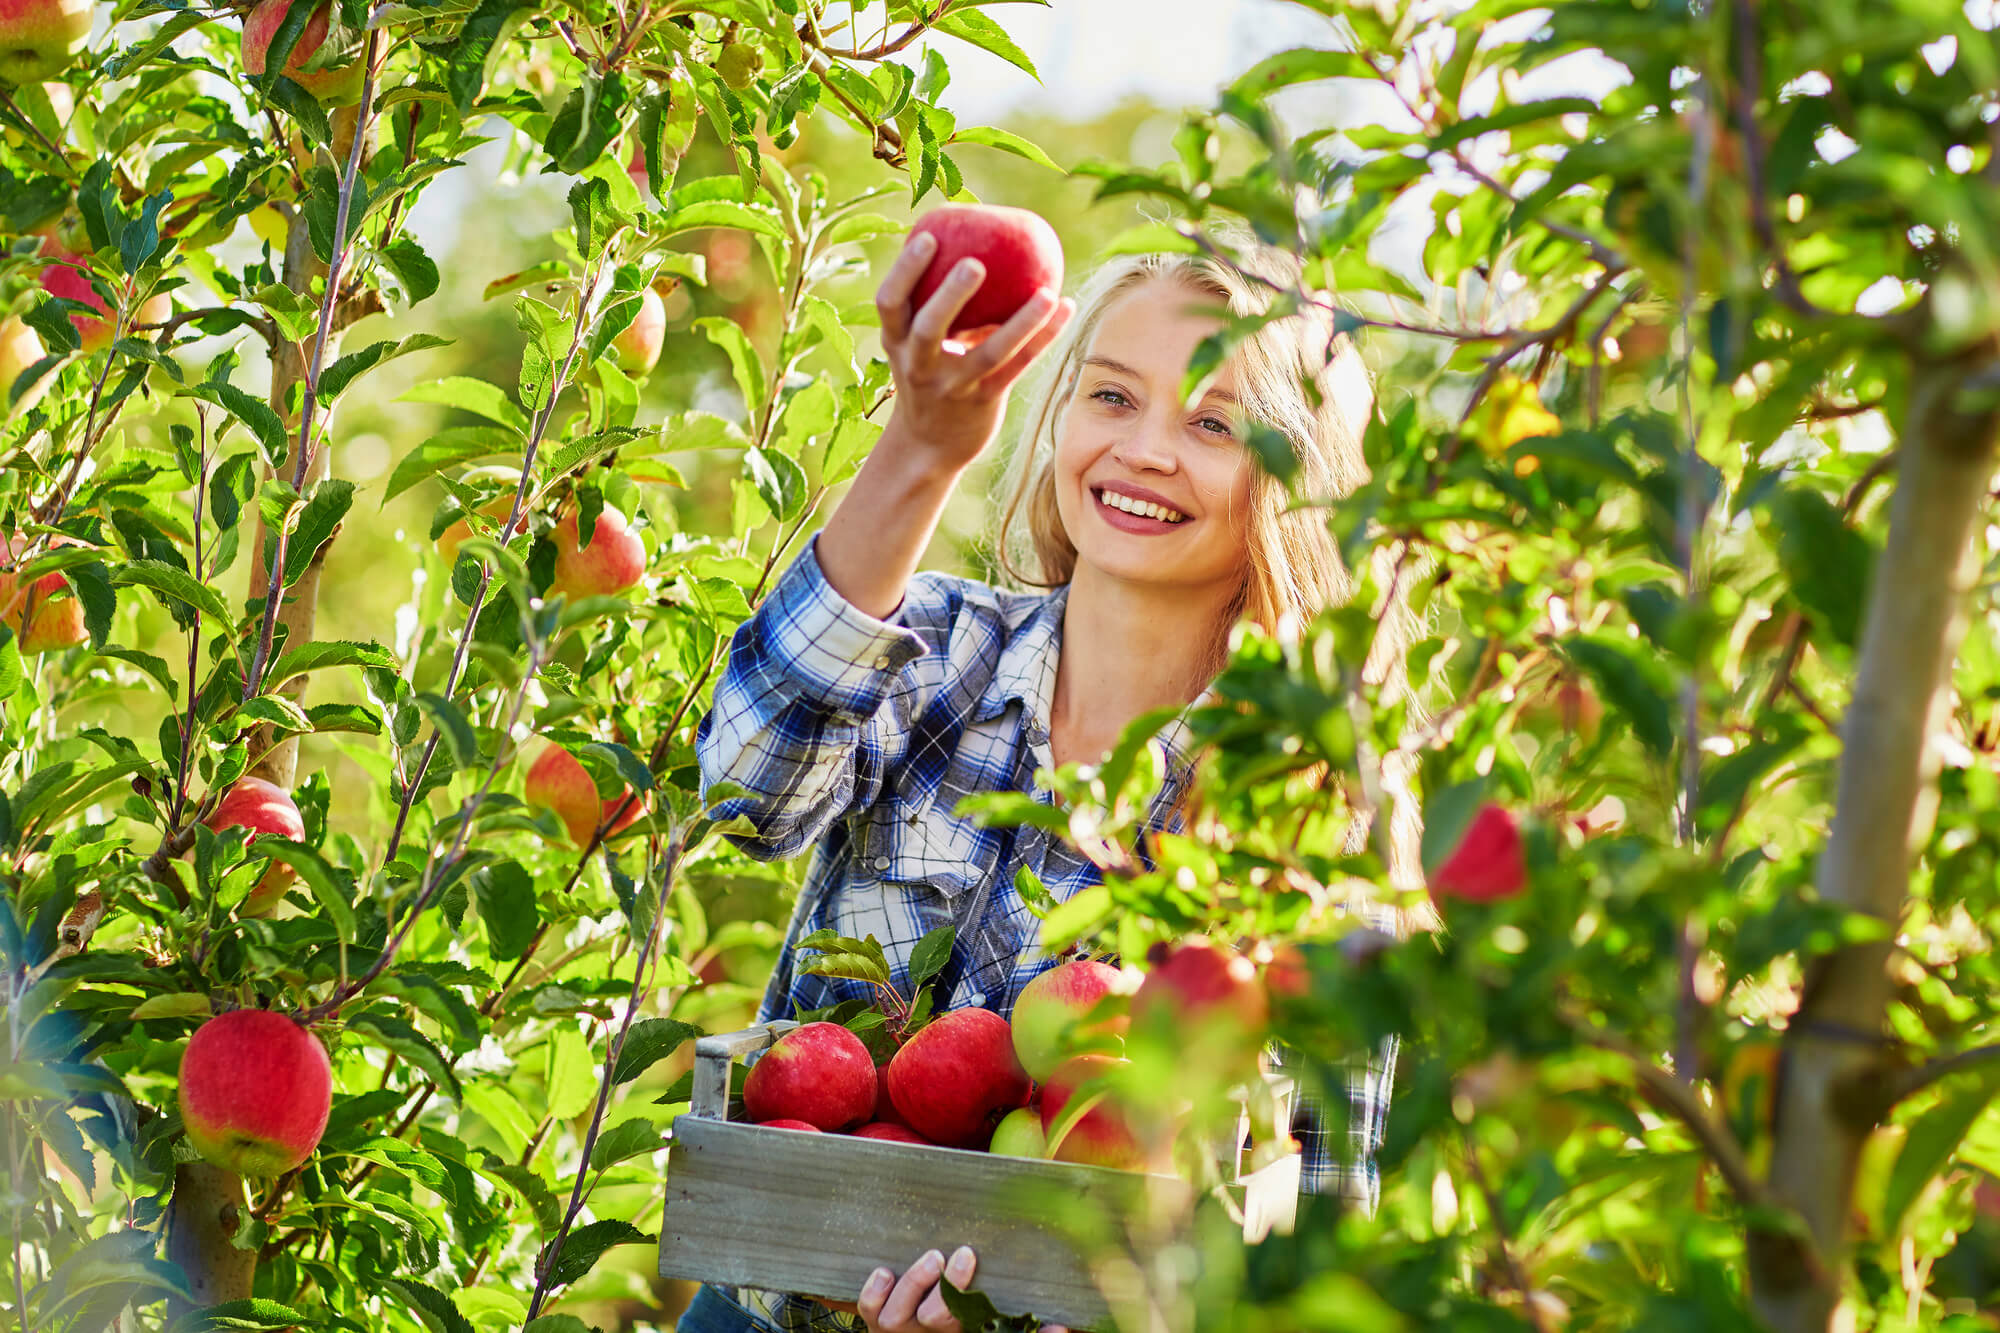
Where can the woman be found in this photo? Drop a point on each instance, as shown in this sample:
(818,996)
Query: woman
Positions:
(864,700)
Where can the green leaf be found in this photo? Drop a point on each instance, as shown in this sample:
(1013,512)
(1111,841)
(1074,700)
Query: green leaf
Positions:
(506,896)
(780,484)
(253,413)
(1447,815)
(976,1312)
(172,1004)
(320,878)
(345,717)
(1303,64)
(347,369)
(1006,142)
(845,957)
(719,213)
(649,1041)
(628,1138)
(933,951)
(479,44)
(432,1306)
(479,397)
(970,25)
(451,723)
(571,1075)
(244,1315)
(585,1246)
(557,1323)
(449,448)
(743,363)
(326,653)
(164,580)
(1933,1139)
(317,520)
(1628,687)
(396,1035)
(415,270)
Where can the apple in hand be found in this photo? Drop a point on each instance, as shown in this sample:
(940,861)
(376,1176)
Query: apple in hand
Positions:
(614,561)
(636,349)
(1102,1135)
(334,85)
(255,1089)
(819,1073)
(55,621)
(39,39)
(1020,250)
(1019,1134)
(957,1077)
(557,781)
(1048,1016)
(889,1133)
(262,808)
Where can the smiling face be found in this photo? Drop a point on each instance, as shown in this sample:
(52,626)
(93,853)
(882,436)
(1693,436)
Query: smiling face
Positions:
(1152,490)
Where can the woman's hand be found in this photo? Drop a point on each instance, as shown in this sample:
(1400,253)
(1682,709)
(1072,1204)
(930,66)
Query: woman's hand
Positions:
(952,395)
(914,1302)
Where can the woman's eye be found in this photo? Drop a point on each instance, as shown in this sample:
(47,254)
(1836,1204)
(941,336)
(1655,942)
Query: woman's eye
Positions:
(1111,396)
(1217,427)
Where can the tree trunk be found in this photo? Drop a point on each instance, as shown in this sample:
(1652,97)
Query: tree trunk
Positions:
(208,1209)
(1833,1057)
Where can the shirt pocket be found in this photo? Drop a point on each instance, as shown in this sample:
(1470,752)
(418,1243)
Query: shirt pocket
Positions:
(915,839)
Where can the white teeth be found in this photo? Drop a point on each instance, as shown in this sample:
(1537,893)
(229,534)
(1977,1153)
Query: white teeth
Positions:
(1143,508)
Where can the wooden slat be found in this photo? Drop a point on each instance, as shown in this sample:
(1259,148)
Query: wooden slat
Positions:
(815,1214)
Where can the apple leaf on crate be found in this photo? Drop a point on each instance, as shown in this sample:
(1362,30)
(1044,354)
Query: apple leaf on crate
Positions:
(976,1312)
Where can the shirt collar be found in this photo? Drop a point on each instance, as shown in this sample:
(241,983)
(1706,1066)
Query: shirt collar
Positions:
(1027,667)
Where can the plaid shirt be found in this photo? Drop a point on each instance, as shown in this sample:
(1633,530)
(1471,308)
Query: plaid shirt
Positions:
(858,738)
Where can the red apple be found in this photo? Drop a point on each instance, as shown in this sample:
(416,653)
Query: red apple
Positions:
(20,347)
(1102,1135)
(452,537)
(819,1073)
(67,279)
(255,1092)
(889,1133)
(1048,1017)
(1487,864)
(1020,250)
(1286,972)
(1019,1134)
(1205,987)
(334,85)
(636,349)
(55,620)
(957,1077)
(885,1105)
(614,561)
(262,808)
(39,39)
(788,1124)
(557,781)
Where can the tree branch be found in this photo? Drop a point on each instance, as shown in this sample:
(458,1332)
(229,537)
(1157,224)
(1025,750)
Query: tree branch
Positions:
(1935,1071)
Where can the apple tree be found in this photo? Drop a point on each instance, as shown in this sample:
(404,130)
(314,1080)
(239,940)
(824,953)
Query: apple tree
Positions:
(495,920)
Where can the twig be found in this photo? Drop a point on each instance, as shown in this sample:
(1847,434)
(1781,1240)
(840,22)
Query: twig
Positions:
(1933,1071)
(194,633)
(274,591)
(1749,83)
(884,49)
(1503,1241)
(54,149)
(545,1267)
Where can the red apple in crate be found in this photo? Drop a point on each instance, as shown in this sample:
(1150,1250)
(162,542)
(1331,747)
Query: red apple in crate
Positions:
(788,1124)
(39,39)
(333,85)
(255,1089)
(558,781)
(957,1077)
(1048,1016)
(613,562)
(1102,1135)
(885,1105)
(888,1133)
(1020,250)
(819,1073)
(1020,1134)
(261,808)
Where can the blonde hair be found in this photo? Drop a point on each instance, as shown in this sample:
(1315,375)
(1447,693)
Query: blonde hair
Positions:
(1294,569)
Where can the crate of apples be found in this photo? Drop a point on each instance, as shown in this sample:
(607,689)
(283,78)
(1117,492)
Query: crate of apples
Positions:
(976,1130)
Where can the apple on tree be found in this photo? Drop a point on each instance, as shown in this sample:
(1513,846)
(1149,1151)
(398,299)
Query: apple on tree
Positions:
(558,781)
(1019,249)
(263,808)
(614,560)
(255,1091)
(20,348)
(1208,992)
(636,348)
(67,279)
(39,39)
(954,1080)
(1489,862)
(819,1073)
(46,617)
(333,85)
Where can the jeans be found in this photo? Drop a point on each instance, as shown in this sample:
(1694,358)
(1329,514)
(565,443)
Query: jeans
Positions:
(711,1311)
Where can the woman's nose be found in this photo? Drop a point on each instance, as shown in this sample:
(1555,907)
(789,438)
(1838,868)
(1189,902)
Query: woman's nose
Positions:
(1147,445)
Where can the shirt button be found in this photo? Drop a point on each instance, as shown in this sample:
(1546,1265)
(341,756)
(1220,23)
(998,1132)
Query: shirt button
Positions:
(976,999)
(881,863)
(882,663)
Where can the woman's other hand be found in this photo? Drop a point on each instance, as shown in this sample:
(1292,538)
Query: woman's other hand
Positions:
(914,1302)
(951,395)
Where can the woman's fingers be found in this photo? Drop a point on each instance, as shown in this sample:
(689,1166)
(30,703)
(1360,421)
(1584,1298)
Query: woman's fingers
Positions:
(1000,346)
(933,322)
(934,1314)
(892,298)
(899,1309)
(1006,372)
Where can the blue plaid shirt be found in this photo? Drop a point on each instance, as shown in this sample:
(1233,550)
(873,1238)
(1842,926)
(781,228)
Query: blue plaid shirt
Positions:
(858,737)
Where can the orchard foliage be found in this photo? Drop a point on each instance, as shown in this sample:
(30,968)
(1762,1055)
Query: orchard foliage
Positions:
(1685,434)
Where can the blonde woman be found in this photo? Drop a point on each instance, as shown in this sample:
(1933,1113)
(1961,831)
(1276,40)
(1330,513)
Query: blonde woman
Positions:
(865,699)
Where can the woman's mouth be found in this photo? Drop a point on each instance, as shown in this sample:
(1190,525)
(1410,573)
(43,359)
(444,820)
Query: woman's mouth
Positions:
(1138,516)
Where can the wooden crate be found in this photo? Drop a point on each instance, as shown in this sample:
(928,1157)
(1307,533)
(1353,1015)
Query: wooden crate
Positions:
(815,1214)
